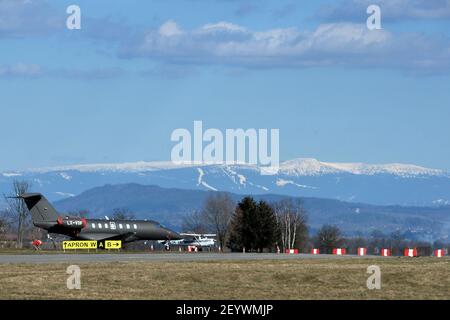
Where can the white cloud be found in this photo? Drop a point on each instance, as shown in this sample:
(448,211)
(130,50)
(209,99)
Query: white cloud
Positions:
(339,44)
(169,29)
(221,27)
(345,44)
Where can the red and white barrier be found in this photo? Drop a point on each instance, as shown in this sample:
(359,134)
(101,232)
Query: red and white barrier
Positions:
(385,252)
(339,251)
(192,249)
(410,252)
(315,251)
(362,251)
(291,251)
(439,253)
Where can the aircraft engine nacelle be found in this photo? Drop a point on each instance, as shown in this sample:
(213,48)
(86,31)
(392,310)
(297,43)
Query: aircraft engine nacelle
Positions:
(73,223)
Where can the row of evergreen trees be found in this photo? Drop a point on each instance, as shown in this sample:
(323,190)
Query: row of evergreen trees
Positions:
(256,226)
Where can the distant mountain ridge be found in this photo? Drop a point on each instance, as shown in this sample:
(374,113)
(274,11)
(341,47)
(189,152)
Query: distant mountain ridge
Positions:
(170,205)
(297,167)
(387,184)
(308,167)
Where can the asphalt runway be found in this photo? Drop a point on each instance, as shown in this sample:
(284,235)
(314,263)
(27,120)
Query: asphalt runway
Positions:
(151,257)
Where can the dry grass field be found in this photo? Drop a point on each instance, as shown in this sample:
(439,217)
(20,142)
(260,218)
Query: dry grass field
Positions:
(402,278)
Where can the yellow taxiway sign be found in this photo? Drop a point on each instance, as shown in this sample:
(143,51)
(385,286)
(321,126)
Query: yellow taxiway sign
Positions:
(113,244)
(73,245)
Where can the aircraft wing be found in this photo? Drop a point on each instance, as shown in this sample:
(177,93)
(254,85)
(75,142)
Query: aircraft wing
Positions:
(127,237)
(198,235)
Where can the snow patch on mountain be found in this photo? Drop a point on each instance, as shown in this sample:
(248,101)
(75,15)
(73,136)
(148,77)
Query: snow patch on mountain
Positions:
(281,183)
(65,176)
(242,179)
(11,174)
(441,202)
(65,194)
(259,186)
(234,176)
(201,182)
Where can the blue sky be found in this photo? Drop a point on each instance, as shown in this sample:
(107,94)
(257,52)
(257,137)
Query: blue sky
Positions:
(116,89)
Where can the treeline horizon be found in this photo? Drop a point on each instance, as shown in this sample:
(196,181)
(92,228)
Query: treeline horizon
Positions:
(249,225)
(283,225)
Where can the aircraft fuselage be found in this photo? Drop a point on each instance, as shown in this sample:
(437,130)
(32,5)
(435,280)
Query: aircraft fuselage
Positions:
(100,229)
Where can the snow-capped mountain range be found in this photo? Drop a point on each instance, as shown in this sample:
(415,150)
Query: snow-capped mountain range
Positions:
(296,167)
(311,167)
(402,184)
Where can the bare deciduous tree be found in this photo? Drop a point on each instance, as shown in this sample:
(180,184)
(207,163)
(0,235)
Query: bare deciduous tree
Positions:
(217,212)
(18,209)
(194,222)
(4,223)
(292,221)
(79,213)
(329,237)
(123,214)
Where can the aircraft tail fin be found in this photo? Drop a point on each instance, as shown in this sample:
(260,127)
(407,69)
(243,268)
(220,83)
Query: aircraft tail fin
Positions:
(41,210)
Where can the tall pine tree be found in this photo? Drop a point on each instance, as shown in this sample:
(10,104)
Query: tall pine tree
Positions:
(241,233)
(268,231)
(253,226)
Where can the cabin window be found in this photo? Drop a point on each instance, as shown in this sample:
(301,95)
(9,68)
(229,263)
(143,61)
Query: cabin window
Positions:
(128,226)
(106,226)
(120,226)
(93,226)
(99,225)
(135,226)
